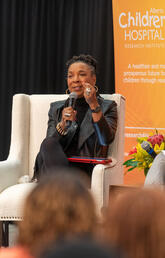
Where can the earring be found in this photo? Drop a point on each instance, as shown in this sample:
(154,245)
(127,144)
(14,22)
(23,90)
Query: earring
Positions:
(67,91)
(96,88)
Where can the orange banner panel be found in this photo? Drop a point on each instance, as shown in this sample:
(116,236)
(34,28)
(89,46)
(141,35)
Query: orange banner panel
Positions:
(139,43)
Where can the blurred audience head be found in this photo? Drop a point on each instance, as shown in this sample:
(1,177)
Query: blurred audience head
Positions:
(135,223)
(59,207)
(80,248)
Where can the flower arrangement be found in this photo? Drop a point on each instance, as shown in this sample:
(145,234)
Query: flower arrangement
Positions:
(140,158)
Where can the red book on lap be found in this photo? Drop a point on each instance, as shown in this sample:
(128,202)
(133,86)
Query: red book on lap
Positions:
(90,160)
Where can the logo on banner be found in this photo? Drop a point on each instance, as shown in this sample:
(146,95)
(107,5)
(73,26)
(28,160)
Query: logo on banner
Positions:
(146,25)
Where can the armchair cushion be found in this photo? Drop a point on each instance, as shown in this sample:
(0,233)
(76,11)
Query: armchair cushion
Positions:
(12,201)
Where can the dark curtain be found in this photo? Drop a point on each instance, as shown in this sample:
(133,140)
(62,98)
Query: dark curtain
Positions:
(37,37)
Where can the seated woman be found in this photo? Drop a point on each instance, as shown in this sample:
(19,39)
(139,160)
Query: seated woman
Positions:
(85,129)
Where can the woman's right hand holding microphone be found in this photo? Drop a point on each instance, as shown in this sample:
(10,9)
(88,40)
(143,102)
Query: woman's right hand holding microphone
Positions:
(68,114)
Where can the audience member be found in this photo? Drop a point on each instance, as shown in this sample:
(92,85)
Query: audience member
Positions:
(80,248)
(59,207)
(135,223)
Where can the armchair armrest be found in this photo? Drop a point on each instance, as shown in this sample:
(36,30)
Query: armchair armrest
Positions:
(111,164)
(9,173)
(102,177)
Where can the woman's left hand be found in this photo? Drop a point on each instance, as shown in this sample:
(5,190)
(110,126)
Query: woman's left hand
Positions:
(91,99)
(90,94)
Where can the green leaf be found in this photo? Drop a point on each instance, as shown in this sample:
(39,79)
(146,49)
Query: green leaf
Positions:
(131,168)
(134,163)
(129,161)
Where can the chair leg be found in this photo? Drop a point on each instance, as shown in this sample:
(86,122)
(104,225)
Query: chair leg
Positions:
(5,233)
(0,233)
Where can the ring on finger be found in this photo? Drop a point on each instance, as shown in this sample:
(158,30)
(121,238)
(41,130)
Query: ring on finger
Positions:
(88,91)
(67,114)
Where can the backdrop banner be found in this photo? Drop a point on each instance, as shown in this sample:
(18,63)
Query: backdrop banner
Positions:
(139,43)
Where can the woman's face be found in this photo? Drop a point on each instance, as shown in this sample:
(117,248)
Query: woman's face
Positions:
(78,73)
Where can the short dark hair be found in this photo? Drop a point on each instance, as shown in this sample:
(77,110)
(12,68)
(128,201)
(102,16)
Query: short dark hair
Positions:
(87,59)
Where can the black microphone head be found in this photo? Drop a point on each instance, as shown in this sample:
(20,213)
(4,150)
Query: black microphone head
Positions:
(72,99)
(72,102)
(145,145)
(73,95)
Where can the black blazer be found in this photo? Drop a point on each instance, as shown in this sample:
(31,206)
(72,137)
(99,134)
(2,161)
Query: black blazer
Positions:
(93,137)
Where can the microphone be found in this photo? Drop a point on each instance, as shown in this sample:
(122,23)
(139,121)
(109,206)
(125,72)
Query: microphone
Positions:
(146,146)
(72,101)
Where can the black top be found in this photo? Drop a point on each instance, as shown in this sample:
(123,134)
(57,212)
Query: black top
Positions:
(81,107)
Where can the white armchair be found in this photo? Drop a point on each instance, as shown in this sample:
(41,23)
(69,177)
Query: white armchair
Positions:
(30,112)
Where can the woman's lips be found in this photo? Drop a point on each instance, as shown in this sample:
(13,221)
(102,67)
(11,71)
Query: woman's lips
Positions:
(77,88)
